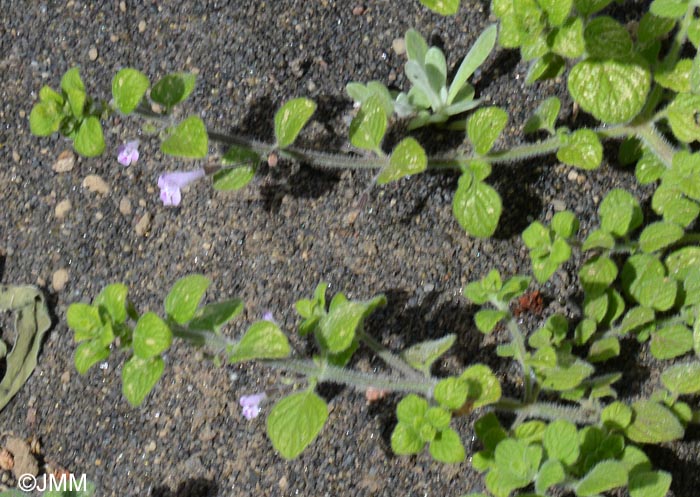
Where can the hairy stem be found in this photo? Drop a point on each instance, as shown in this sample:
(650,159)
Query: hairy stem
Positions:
(550,411)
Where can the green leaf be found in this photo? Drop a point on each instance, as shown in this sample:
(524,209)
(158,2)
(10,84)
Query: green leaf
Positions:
(566,375)
(674,9)
(649,483)
(604,476)
(475,57)
(659,235)
(185,296)
(484,387)
(235,178)
(544,117)
(151,336)
(670,202)
(45,118)
(90,142)
(607,39)
(421,356)
(263,340)
(671,341)
(598,239)
(407,158)
(682,379)
(619,212)
(649,168)
(513,287)
(644,278)
(652,27)
(451,393)
(653,423)
(676,78)
(113,299)
(188,139)
(616,416)
(295,421)
(682,117)
(337,328)
(139,376)
(368,127)
(568,40)
(84,320)
(597,274)
(128,88)
(561,441)
(416,47)
(442,7)
(612,91)
(680,262)
(487,319)
(72,84)
(582,149)
(588,7)
(484,126)
(405,440)
(89,353)
(411,408)
(447,447)
(291,119)
(557,10)
(477,207)
(516,463)
(173,88)
(213,316)
(604,349)
(550,474)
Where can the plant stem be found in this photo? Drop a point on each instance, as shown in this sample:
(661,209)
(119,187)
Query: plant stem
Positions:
(549,411)
(389,357)
(656,142)
(356,379)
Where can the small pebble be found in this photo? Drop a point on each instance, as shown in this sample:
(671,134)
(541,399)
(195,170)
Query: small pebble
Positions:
(65,162)
(122,6)
(399,46)
(15,156)
(150,447)
(65,377)
(92,53)
(95,184)
(125,206)
(358,10)
(558,205)
(62,208)
(143,225)
(572,176)
(142,26)
(59,279)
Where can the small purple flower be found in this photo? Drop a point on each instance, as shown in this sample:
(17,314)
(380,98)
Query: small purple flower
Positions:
(251,404)
(128,153)
(267,316)
(171,183)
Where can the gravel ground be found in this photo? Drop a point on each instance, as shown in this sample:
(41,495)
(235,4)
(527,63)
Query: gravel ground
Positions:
(269,244)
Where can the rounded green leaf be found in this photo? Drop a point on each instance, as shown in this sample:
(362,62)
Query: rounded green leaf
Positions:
(673,9)
(659,235)
(407,158)
(422,355)
(447,447)
(551,473)
(139,376)
(484,387)
(604,476)
(72,84)
(484,126)
(291,119)
(84,320)
(368,127)
(184,297)
(544,117)
(561,441)
(476,206)
(582,149)
(617,416)
(263,340)
(597,274)
(443,7)
(411,408)
(620,212)
(295,421)
(653,423)
(613,91)
(151,336)
(671,341)
(451,393)
(45,118)
(128,88)
(683,378)
(644,278)
(682,117)
(438,417)
(405,440)
(337,328)
(607,39)
(213,316)
(173,88)
(487,319)
(681,261)
(113,298)
(88,354)
(235,178)
(649,484)
(90,142)
(188,139)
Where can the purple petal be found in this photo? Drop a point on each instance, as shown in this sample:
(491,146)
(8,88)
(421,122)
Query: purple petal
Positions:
(267,316)
(251,404)
(128,153)
(171,183)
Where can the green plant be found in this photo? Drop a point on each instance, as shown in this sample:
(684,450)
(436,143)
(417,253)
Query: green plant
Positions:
(640,277)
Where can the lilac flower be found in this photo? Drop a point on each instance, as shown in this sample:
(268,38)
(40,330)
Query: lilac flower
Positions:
(251,404)
(267,316)
(171,183)
(128,153)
